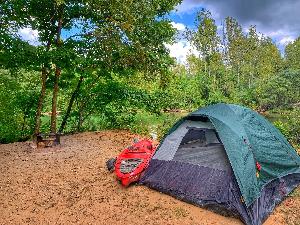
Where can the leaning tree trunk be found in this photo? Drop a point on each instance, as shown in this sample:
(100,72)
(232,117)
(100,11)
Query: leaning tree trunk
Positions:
(56,87)
(71,102)
(80,116)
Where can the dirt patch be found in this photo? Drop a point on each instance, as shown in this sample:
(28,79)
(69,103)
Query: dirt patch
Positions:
(70,185)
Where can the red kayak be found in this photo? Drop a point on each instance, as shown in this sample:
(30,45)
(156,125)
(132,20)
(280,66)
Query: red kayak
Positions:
(132,161)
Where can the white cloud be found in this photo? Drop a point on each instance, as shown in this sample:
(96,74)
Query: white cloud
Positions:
(276,33)
(29,35)
(180,50)
(286,40)
(282,37)
(178,26)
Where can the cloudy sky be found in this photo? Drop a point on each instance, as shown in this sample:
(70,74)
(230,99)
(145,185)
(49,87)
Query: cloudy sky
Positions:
(278,19)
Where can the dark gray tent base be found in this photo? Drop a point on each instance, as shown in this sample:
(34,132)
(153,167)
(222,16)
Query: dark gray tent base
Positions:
(216,189)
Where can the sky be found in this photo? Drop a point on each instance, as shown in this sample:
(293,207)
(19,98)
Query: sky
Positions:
(278,19)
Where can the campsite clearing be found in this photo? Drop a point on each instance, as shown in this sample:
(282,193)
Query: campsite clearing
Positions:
(69,184)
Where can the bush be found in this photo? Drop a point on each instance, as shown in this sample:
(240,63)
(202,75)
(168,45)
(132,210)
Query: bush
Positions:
(18,97)
(290,126)
(282,90)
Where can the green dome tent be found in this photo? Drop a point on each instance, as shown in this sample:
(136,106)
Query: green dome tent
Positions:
(228,158)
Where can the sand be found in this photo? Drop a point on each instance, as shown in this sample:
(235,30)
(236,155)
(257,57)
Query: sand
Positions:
(70,184)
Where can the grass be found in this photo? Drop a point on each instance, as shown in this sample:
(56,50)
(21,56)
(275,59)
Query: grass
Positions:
(180,212)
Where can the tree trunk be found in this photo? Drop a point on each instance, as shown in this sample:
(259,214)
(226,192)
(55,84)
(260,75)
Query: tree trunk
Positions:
(80,116)
(40,102)
(80,121)
(57,75)
(42,96)
(54,100)
(72,99)
(44,77)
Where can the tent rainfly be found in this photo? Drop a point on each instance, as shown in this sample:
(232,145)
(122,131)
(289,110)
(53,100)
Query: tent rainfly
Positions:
(227,158)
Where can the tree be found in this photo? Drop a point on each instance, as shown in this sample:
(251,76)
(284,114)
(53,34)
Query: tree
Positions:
(100,36)
(235,40)
(205,38)
(250,56)
(292,54)
(18,97)
(207,42)
(281,90)
(269,61)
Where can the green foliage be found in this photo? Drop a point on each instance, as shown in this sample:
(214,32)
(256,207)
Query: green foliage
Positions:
(294,127)
(292,54)
(85,37)
(251,56)
(18,96)
(152,124)
(282,90)
(289,125)
(206,40)
(283,127)
(183,92)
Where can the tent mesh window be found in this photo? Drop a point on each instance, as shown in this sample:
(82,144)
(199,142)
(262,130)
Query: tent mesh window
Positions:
(201,146)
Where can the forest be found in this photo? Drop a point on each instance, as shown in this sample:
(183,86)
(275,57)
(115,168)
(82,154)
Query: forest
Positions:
(104,65)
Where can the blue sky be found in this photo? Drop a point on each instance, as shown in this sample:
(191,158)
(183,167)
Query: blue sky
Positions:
(184,18)
(278,19)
